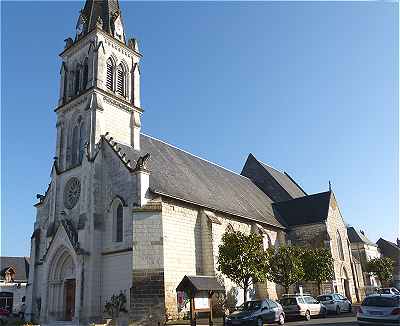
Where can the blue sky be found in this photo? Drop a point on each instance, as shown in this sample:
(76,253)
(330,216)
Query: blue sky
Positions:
(310,88)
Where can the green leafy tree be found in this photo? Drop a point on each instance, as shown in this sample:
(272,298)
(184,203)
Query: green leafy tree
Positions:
(317,265)
(285,265)
(116,305)
(241,258)
(382,268)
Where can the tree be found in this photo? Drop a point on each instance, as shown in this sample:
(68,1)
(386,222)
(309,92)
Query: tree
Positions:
(317,265)
(241,258)
(382,268)
(116,305)
(285,266)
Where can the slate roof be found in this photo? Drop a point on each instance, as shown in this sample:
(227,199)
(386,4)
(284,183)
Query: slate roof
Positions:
(356,236)
(389,249)
(99,8)
(277,185)
(20,264)
(304,210)
(181,175)
(200,283)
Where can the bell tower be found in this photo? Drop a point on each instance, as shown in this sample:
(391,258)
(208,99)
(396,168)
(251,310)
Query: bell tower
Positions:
(99,84)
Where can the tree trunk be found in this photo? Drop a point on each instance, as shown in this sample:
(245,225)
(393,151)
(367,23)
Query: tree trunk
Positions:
(245,287)
(286,289)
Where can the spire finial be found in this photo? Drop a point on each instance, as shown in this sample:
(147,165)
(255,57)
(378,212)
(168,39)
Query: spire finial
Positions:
(330,186)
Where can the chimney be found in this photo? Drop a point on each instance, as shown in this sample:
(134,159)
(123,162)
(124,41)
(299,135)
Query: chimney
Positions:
(142,179)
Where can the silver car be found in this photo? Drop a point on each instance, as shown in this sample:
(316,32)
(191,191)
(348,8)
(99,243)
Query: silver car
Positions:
(302,306)
(379,309)
(335,302)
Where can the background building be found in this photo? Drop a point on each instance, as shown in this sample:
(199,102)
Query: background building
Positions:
(14,273)
(392,250)
(364,250)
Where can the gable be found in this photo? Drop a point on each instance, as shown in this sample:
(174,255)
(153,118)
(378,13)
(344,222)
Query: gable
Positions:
(304,210)
(275,184)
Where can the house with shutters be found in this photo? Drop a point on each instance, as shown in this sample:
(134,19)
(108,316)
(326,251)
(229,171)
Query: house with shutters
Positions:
(14,273)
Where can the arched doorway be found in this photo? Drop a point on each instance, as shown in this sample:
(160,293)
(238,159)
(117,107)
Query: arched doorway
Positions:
(345,284)
(62,286)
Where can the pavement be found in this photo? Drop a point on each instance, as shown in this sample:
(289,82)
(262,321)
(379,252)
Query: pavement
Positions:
(347,319)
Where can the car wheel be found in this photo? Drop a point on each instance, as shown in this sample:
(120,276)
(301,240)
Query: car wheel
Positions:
(260,322)
(307,316)
(281,320)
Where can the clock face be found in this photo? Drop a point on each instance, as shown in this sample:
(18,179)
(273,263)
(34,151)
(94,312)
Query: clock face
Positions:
(72,191)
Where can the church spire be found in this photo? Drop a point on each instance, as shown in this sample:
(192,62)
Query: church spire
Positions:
(105,14)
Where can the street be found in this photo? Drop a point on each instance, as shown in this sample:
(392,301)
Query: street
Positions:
(342,320)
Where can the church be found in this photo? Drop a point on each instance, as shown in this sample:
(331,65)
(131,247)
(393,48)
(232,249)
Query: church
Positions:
(128,213)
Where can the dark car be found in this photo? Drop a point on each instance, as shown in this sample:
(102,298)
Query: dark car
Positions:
(257,312)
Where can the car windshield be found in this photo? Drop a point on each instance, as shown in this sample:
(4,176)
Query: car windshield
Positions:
(324,298)
(288,301)
(381,302)
(250,305)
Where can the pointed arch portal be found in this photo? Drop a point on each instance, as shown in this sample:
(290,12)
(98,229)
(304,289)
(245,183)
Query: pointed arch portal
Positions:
(62,286)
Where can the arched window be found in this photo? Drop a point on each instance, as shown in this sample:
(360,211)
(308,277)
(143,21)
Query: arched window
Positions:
(81,141)
(75,145)
(85,73)
(340,245)
(229,228)
(110,75)
(65,85)
(77,78)
(121,80)
(119,223)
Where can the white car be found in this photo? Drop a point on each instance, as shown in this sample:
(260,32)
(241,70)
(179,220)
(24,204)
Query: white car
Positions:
(379,309)
(335,302)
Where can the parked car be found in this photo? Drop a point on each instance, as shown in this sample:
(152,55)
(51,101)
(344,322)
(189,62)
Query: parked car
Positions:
(335,302)
(257,312)
(379,309)
(393,291)
(302,306)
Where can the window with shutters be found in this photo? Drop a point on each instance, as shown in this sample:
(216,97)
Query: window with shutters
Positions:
(110,75)
(121,80)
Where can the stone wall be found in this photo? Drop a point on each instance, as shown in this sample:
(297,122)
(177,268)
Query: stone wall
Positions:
(192,236)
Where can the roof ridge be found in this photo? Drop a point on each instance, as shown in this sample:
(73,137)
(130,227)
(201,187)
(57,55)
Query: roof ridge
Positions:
(304,197)
(198,157)
(269,165)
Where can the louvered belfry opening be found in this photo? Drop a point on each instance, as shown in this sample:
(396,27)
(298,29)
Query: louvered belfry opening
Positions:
(110,75)
(120,81)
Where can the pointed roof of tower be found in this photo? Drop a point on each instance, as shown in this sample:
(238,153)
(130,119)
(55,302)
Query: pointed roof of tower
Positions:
(107,10)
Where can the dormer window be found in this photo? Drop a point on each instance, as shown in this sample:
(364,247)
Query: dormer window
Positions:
(110,75)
